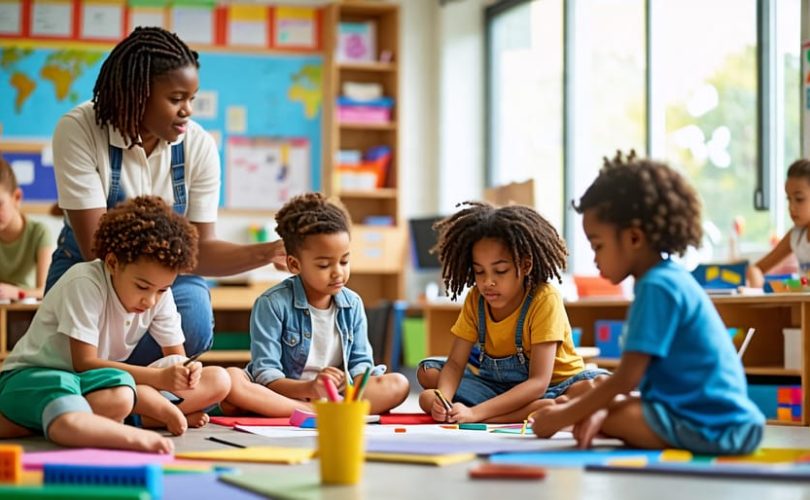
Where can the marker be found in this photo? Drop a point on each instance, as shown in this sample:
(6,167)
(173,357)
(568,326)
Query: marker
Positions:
(445,402)
(331,390)
(222,441)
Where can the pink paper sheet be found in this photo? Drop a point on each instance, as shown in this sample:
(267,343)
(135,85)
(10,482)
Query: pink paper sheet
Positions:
(92,456)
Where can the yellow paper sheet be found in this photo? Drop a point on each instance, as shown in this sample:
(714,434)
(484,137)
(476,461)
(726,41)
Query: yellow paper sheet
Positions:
(261,454)
(440,460)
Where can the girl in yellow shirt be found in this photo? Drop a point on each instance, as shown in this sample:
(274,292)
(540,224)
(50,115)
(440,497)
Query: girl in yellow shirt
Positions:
(525,356)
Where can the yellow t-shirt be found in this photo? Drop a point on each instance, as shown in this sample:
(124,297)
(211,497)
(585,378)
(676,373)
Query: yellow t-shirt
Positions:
(546,321)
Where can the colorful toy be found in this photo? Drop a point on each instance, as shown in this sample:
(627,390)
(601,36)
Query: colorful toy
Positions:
(721,276)
(10,463)
(148,477)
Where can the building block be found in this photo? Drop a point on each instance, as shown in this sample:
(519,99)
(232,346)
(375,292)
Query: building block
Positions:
(72,493)
(784,414)
(608,333)
(10,463)
(149,477)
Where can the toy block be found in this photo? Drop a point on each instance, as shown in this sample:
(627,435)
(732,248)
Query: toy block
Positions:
(72,493)
(10,463)
(796,395)
(148,477)
(608,333)
(796,411)
(783,395)
(784,414)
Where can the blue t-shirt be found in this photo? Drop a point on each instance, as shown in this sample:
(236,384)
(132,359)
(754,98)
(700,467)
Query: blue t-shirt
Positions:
(694,369)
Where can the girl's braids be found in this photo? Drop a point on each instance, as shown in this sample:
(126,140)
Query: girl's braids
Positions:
(125,80)
(145,227)
(308,214)
(649,195)
(522,230)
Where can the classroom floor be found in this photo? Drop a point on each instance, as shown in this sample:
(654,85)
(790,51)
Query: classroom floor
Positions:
(393,481)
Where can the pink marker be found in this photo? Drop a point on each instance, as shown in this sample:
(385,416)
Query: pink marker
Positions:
(331,390)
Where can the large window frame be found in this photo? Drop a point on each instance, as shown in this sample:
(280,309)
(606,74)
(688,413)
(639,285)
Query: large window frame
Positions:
(768,194)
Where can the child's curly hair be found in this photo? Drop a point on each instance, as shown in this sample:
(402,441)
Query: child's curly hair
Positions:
(649,195)
(799,169)
(8,181)
(526,234)
(308,214)
(145,227)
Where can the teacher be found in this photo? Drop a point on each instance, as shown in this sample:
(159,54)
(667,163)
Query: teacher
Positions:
(136,138)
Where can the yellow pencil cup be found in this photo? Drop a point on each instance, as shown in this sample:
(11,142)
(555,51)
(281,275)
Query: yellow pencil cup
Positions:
(341,440)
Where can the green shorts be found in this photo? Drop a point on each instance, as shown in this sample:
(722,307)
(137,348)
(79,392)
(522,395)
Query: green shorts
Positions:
(34,397)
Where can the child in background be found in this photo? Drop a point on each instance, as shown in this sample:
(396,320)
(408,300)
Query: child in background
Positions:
(513,315)
(93,318)
(797,240)
(25,245)
(676,349)
(310,327)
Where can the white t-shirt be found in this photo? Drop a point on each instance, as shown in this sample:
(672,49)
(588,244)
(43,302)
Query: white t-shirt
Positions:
(326,348)
(83,305)
(800,246)
(81,161)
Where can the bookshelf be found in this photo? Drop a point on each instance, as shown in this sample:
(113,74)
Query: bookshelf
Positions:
(378,252)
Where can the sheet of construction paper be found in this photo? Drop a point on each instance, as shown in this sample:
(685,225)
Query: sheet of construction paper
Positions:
(261,454)
(286,486)
(263,421)
(577,458)
(769,456)
(711,470)
(202,487)
(276,432)
(406,419)
(434,447)
(410,458)
(92,456)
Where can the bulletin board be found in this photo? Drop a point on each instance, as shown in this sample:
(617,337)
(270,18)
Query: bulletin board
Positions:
(261,70)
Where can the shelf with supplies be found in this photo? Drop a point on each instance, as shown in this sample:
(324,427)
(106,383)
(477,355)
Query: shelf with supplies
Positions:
(768,314)
(361,140)
(14,321)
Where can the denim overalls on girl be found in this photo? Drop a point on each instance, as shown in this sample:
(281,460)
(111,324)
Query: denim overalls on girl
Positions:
(191,294)
(498,375)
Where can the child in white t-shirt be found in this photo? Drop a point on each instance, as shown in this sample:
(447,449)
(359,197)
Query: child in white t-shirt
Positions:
(91,321)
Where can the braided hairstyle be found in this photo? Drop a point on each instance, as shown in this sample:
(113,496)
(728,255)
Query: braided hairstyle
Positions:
(649,195)
(8,181)
(146,227)
(526,234)
(308,214)
(125,80)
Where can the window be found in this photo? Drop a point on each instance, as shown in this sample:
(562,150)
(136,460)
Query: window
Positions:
(697,71)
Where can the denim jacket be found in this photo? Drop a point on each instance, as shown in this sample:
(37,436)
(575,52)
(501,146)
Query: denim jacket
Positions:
(281,333)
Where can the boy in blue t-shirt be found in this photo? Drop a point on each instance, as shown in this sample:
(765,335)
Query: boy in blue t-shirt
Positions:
(676,349)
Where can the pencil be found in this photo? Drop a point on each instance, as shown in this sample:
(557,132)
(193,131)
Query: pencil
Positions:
(363,382)
(445,402)
(192,359)
(222,441)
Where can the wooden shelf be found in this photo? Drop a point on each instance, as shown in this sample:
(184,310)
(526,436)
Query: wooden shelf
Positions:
(608,363)
(375,194)
(775,371)
(225,357)
(375,67)
(368,126)
(773,421)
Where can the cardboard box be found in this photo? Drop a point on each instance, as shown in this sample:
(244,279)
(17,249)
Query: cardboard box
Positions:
(377,249)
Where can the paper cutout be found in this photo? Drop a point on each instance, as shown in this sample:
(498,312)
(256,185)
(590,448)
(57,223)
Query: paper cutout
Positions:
(92,456)
(415,458)
(710,470)
(282,486)
(577,458)
(261,421)
(260,454)
(202,486)
(407,419)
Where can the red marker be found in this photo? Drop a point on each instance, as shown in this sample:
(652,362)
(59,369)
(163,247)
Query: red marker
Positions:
(331,390)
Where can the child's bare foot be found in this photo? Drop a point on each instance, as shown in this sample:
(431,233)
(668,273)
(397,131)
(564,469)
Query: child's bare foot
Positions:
(587,429)
(198,419)
(172,418)
(150,441)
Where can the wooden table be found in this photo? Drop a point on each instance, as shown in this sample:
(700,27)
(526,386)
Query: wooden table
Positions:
(769,314)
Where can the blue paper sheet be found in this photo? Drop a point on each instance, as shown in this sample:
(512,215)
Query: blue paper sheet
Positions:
(203,487)
(575,458)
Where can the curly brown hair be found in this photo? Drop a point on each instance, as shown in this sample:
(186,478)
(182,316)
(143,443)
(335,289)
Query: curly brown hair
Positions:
(308,214)
(799,168)
(8,180)
(649,195)
(145,227)
(526,233)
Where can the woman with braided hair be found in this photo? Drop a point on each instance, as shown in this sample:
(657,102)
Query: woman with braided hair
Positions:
(136,138)
(512,315)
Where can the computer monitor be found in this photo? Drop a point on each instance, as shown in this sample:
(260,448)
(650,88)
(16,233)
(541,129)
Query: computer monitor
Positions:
(423,238)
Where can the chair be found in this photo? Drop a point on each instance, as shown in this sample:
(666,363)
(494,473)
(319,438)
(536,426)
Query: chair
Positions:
(383,333)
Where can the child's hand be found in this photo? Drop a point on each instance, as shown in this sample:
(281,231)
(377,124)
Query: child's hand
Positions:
(9,292)
(195,373)
(438,411)
(587,429)
(336,375)
(175,378)
(461,414)
(546,420)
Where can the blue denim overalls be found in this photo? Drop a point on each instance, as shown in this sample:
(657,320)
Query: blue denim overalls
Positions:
(498,375)
(191,294)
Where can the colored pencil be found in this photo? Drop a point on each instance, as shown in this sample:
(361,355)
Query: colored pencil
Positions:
(363,383)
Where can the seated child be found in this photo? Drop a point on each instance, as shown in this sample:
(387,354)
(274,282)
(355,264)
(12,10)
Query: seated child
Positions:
(310,326)
(797,240)
(25,245)
(676,350)
(513,316)
(94,317)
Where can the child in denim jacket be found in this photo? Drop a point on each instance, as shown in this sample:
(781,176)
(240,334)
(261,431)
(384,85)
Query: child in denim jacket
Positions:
(310,326)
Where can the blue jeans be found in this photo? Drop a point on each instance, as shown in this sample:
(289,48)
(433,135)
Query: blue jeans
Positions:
(678,432)
(474,389)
